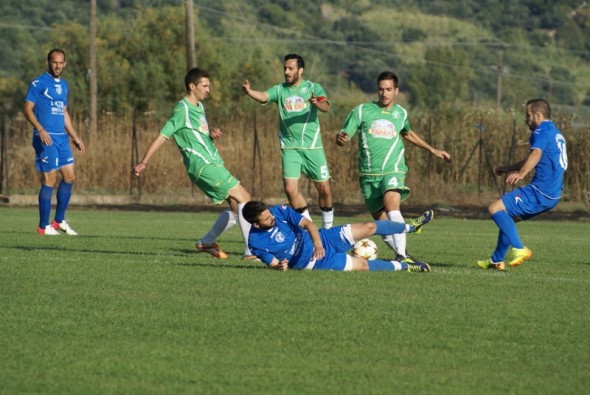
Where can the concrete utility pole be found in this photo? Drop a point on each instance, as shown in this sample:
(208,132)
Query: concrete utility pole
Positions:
(499,69)
(191,60)
(92,70)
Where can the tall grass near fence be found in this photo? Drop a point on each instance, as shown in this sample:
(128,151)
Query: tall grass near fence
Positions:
(251,151)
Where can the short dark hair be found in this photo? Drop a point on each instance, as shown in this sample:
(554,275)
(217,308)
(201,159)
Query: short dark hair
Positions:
(539,105)
(300,61)
(388,75)
(252,210)
(55,50)
(194,75)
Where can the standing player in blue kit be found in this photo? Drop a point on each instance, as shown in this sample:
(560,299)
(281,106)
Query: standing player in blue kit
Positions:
(46,108)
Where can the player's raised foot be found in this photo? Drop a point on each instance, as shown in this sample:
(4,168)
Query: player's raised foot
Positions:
(519,255)
(49,230)
(418,267)
(212,249)
(422,220)
(488,264)
(252,258)
(64,227)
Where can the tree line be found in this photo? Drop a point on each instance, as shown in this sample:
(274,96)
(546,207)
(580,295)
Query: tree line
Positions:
(448,54)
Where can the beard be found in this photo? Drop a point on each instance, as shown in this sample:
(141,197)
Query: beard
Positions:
(294,80)
(55,74)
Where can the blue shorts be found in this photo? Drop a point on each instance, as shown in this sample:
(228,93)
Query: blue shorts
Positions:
(335,244)
(54,156)
(527,202)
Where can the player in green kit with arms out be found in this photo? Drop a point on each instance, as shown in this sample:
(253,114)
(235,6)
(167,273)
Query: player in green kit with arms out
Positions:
(302,151)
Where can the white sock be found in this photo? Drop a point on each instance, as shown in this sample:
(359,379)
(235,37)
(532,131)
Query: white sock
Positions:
(245,227)
(327,219)
(399,239)
(226,220)
(306,215)
(388,239)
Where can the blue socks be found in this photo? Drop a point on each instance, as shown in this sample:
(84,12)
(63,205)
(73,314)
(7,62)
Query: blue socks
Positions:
(501,247)
(378,265)
(45,194)
(64,192)
(508,235)
(386,227)
(507,225)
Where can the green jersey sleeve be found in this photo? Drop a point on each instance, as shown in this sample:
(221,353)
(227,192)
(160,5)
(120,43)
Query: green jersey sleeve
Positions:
(173,124)
(353,122)
(273,93)
(406,128)
(319,91)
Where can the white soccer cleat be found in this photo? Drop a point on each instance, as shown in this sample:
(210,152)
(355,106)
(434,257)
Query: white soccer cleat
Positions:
(64,227)
(49,230)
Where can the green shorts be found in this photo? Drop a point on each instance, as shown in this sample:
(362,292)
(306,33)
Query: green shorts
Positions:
(215,181)
(311,162)
(373,189)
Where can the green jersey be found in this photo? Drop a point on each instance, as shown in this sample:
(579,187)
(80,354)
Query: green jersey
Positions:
(299,125)
(188,125)
(381,150)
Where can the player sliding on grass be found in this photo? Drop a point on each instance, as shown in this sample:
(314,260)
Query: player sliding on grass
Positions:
(548,157)
(284,239)
(204,166)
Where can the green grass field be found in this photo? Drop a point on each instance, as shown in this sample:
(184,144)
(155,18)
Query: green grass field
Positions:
(130,308)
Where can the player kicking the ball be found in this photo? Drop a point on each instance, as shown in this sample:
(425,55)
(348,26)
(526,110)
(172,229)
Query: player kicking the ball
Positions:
(284,239)
(548,157)
(204,166)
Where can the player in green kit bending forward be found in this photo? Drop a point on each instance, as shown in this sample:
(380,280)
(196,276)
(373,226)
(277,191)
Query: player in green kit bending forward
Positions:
(204,166)
(298,101)
(382,125)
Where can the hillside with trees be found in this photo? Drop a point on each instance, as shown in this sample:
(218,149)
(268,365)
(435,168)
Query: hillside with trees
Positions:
(464,67)
(448,54)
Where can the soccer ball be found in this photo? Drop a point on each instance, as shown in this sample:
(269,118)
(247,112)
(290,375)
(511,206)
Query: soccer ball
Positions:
(365,248)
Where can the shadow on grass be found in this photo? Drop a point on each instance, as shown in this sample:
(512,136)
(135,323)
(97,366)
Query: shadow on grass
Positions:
(441,265)
(89,251)
(180,253)
(117,237)
(224,265)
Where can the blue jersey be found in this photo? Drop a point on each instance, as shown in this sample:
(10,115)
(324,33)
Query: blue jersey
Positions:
(285,240)
(548,178)
(50,96)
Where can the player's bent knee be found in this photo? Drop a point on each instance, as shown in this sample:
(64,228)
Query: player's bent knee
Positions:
(324,188)
(496,206)
(70,179)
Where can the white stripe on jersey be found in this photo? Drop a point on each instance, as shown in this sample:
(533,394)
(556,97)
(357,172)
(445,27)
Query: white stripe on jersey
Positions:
(402,152)
(399,158)
(364,137)
(192,151)
(389,154)
(317,132)
(197,134)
